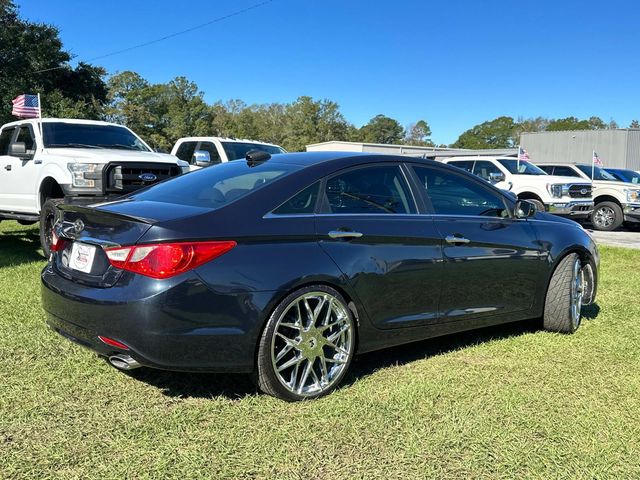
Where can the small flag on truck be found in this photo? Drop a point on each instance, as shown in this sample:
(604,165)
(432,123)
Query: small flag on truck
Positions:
(26,106)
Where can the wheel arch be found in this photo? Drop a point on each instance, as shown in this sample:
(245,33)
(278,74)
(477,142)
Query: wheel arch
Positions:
(529,195)
(49,188)
(606,198)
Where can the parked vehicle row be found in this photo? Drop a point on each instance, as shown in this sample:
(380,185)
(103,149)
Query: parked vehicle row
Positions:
(609,199)
(615,201)
(48,161)
(336,254)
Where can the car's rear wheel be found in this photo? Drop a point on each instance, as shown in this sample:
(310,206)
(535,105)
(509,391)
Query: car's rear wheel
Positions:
(564,296)
(606,216)
(307,345)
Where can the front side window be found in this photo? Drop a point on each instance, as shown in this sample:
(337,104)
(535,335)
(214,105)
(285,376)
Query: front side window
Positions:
(5,140)
(214,156)
(376,189)
(24,135)
(484,169)
(521,167)
(80,135)
(185,151)
(548,169)
(598,173)
(452,194)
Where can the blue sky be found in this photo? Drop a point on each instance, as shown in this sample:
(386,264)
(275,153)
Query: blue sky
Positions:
(454,63)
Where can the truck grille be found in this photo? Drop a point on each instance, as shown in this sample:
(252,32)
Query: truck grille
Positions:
(580,191)
(129,177)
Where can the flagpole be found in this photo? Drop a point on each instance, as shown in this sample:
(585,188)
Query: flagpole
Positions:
(593,164)
(40,118)
(518,162)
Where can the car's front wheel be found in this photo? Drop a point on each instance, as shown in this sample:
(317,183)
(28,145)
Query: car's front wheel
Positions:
(307,345)
(606,216)
(564,296)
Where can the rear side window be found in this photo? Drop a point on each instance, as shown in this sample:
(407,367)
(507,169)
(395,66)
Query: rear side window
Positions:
(300,203)
(24,135)
(5,140)
(463,164)
(376,189)
(564,172)
(216,187)
(185,151)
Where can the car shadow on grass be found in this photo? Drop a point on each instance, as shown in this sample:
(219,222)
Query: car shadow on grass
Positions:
(237,386)
(18,246)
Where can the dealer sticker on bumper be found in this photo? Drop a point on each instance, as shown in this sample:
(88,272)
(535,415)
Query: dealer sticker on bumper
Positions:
(82,257)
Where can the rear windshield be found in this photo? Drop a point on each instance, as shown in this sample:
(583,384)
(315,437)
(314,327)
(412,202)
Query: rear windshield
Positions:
(80,135)
(235,150)
(521,167)
(216,186)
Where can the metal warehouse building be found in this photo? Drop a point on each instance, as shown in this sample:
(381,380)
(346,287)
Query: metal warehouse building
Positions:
(619,148)
(433,153)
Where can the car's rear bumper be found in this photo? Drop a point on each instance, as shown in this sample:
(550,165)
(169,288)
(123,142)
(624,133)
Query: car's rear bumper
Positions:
(571,209)
(171,324)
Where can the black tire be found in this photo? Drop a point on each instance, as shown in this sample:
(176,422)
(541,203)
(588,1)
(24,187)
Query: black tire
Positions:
(559,308)
(539,205)
(272,382)
(606,216)
(48,214)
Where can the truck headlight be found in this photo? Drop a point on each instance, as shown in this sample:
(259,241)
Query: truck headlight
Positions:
(633,196)
(84,175)
(558,190)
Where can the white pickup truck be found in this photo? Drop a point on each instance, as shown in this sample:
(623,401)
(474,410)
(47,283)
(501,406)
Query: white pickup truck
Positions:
(46,161)
(205,151)
(615,201)
(565,196)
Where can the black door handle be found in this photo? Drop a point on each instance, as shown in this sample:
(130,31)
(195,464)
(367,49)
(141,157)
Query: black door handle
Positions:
(7,167)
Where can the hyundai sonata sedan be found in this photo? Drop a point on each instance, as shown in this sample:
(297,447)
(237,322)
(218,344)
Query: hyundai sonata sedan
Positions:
(287,266)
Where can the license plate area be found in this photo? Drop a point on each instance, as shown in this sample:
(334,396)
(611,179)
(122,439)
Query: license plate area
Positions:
(82,257)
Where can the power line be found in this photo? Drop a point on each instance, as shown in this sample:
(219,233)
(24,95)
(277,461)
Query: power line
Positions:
(166,37)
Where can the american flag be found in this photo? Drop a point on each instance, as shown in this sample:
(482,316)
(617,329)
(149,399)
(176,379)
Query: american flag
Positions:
(596,159)
(523,156)
(26,106)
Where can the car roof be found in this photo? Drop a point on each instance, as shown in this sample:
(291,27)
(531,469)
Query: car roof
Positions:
(61,120)
(308,159)
(225,139)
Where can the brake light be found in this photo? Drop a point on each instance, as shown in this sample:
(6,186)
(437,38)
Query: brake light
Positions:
(164,260)
(57,243)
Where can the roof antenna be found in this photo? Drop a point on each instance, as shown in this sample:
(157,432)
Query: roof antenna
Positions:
(254,157)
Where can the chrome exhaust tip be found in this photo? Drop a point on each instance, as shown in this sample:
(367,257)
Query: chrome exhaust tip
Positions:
(123,362)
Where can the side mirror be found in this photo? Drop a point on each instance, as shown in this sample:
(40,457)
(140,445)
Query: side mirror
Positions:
(525,209)
(496,177)
(202,158)
(19,149)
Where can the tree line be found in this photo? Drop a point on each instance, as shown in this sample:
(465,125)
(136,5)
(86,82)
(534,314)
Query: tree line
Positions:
(33,60)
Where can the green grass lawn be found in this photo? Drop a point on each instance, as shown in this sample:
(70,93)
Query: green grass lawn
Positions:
(507,402)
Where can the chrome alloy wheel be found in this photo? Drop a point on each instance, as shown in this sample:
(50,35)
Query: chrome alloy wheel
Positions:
(604,217)
(312,344)
(577,292)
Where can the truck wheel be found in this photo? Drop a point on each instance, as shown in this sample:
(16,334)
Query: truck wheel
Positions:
(606,216)
(539,205)
(564,296)
(47,220)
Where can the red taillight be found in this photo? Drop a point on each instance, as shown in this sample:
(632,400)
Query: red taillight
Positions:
(113,343)
(57,243)
(164,260)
